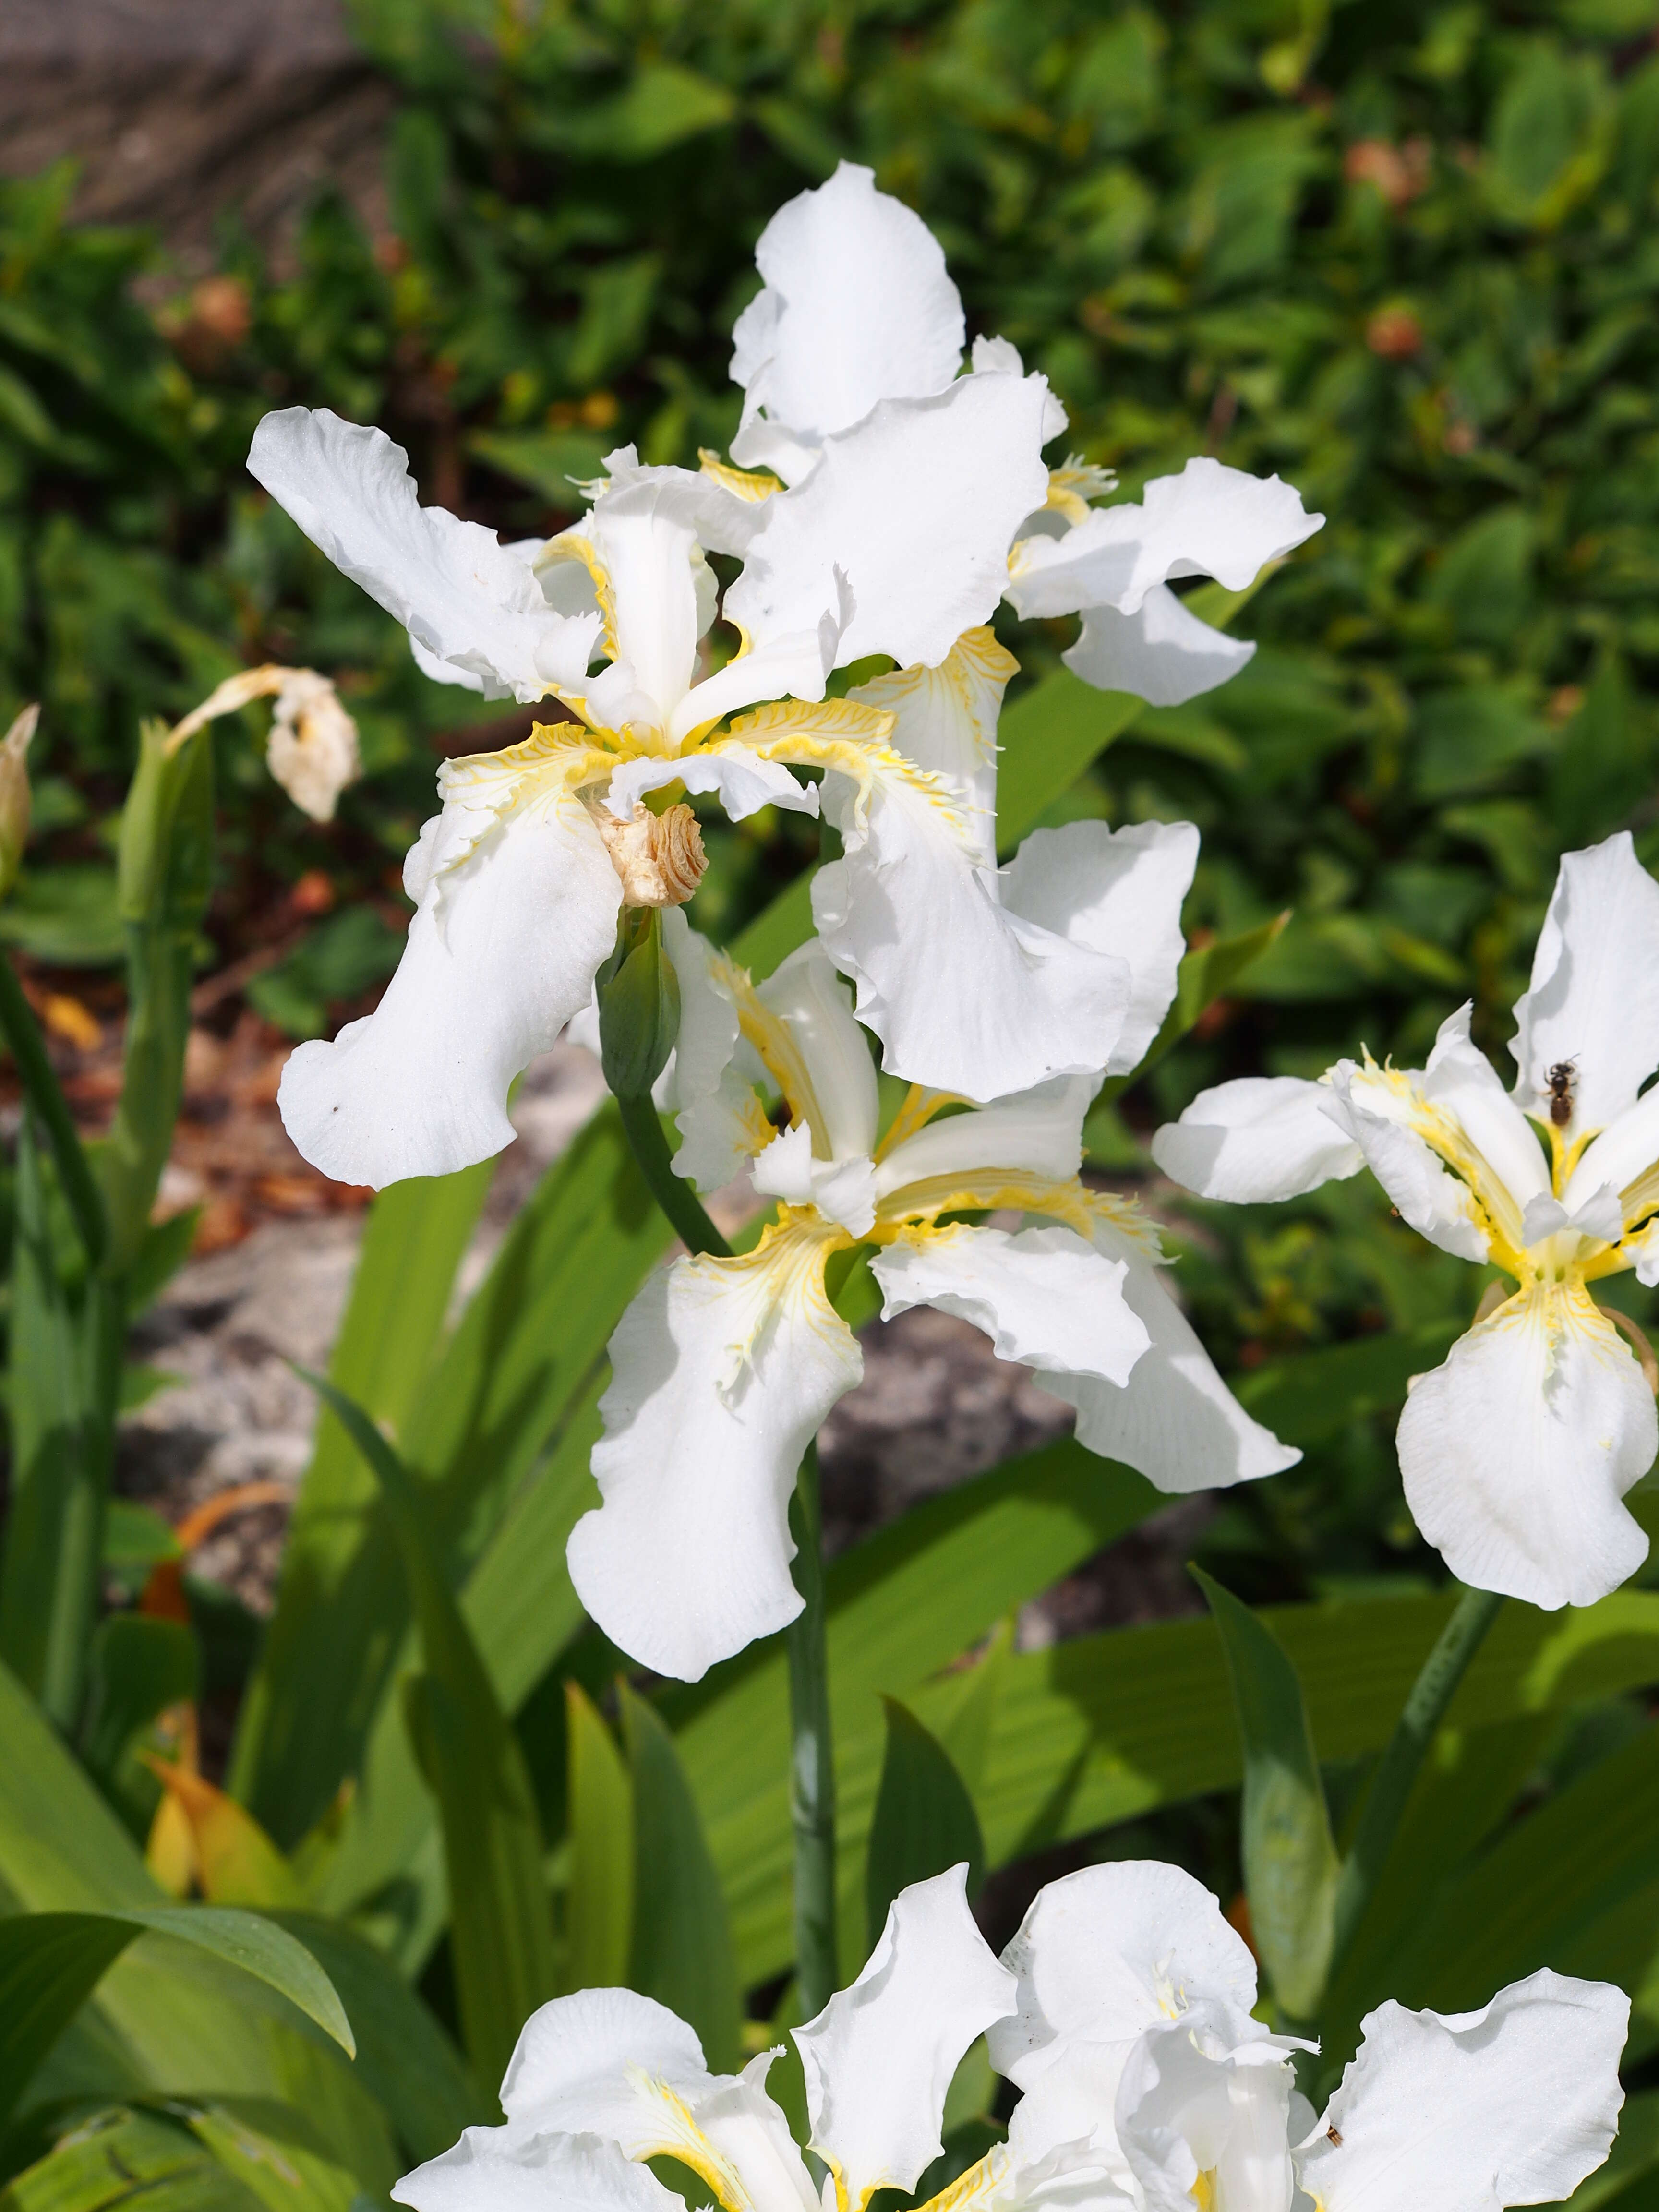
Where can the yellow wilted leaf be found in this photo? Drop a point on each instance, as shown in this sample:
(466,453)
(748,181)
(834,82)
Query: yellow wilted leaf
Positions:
(236,1861)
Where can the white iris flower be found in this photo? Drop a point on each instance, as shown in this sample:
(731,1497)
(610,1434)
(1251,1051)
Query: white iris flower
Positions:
(1515,1453)
(724,1370)
(858,308)
(1121,2012)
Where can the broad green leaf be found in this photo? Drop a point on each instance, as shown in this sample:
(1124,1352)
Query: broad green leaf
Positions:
(1316,1395)
(139,1666)
(682,1945)
(1631,2164)
(402,2055)
(1290,1861)
(924,1822)
(296,1731)
(1205,974)
(272,2152)
(151,2160)
(551,462)
(51,1963)
(599,1912)
(500,1929)
(1046,737)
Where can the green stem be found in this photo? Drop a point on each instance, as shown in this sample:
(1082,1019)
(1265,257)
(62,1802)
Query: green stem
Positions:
(28,1050)
(811,1757)
(1425,1710)
(678,1200)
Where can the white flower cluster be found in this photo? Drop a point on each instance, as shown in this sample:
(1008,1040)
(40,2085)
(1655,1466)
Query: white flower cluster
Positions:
(1122,2013)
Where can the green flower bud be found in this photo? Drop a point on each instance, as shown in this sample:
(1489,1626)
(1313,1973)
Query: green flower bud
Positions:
(639,1004)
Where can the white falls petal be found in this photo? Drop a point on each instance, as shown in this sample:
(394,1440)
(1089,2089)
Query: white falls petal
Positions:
(1515,1453)
(1174,1420)
(916,507)
(1208,521)
(744,781)
(500,954)
(1434,1203)
(1515,2104)
(1161,654)
(857,307)
(467,602)
(998,1004)
(946,723)
(722,1372)
(1119,892)
(495,2170)
(1261,1137)
(1594,997)
(1043,1296)
(879,2057)
(1037,1132)
(844,1103)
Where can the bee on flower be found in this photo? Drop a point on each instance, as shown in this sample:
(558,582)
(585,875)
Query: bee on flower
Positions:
(1121,2012)
(1516,1452)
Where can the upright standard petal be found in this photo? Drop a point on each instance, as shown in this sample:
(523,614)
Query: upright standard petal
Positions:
(1378,1111)
(838,1090)
(1043,1297)
(1162,653)
(1101,1956)
(501,953)
(999,1003)
(722,1372)
(1208,521)
(573,2068)
(1261,1137)
(464,598)
(1515,1454)
(857,308)
(1594,1000)
(1175,1419)
(1468,2112)
(879,2057)
(492,2170)
(1119,892)
(916,507)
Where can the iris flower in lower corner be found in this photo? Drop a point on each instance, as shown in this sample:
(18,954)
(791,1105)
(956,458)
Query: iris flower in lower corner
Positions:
(1121,2012)
(1516,1452)
(724,1370)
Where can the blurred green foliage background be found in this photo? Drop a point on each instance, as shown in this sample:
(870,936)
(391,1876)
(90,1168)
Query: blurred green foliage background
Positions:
(1406,256)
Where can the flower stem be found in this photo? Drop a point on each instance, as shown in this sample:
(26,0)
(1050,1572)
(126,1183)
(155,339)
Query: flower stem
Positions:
(1391,1785)
(678,1200)
(811,1757)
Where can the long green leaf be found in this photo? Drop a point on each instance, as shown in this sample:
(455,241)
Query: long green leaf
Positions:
(295,1732)
(501,1933)
(1290,1859)
(1205,974)
(924,1822)
(682,1944)
(1316,1395)
(599,1917)
(1046,737)
(121,2158)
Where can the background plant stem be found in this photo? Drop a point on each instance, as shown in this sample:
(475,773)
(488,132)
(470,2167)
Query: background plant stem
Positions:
(1425,1710)
(811,1755)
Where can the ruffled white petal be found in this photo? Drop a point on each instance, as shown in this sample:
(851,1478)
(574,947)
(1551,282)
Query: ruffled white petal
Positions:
(1102,1956)
(843,1191)
(857,308)
(495,2170)
(744,781)
(1191,2103)
(916,507)
(946,723)
(1037,1132)
(715,1107)
(1594,1000)
(466,601)
(647,545)
(724,521)
(1119,892)
(1462,1082)
(1162,653)
(1377,1115)
(842,1099)
(879,2057)
(501,953)
(1175,1419)
(1002,357)
(1043,1296)
(998,1004)
(1208,521)
(573,2068)
(722,1372)
(1468,2112)
(1515,1453)
(1261,1137)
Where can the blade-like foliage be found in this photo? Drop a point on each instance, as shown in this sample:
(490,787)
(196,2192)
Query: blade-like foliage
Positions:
(924,1821)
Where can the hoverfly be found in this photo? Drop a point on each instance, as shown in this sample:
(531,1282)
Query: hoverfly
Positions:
(1560,1079)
